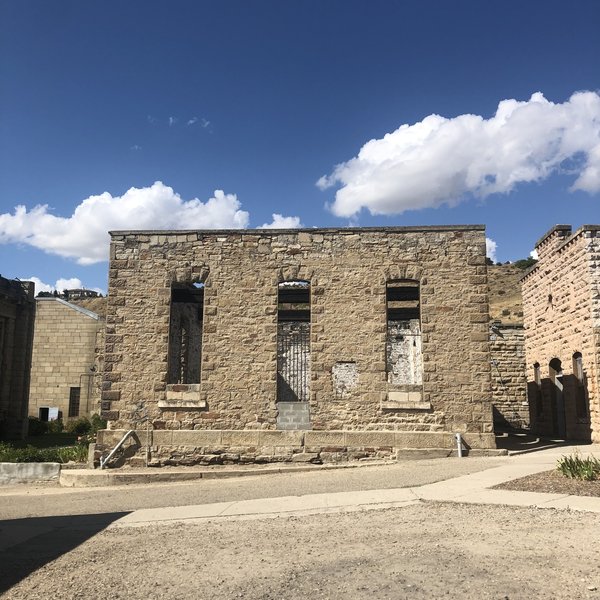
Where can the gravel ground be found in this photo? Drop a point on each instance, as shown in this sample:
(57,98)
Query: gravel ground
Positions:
(422,551)
(552,482)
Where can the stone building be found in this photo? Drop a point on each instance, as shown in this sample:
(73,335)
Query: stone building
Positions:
(67,361)
(320,344)
(561,303)
(17,314)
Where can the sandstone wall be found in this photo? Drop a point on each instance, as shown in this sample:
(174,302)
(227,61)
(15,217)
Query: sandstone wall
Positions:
(561,302)
(65,344)
(348,270)
(509,381)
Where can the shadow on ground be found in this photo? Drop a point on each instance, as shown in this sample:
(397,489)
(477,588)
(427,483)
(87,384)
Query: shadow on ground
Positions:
(521,442)
(28,544)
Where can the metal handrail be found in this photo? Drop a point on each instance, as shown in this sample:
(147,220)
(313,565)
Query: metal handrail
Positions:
(112,452)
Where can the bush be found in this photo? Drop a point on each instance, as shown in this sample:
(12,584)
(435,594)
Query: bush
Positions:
(80,426)
(37,427)
(97,423)
(55,426)
(575,467)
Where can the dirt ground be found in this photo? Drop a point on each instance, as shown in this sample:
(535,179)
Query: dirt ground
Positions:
(552,482)
(422,551)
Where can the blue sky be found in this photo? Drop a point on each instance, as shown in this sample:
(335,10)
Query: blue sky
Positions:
(262,99)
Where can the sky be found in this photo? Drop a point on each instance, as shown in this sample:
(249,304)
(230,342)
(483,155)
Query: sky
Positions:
(190,114)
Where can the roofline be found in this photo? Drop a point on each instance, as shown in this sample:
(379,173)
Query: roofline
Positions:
(211,232)
(551,231)
(80,309)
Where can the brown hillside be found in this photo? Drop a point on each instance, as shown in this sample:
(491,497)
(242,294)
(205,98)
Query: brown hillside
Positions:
(506,303)
(97,305)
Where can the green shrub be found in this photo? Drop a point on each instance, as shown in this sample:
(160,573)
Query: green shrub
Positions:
(55,426)
(575,467)
(97,423)
(37,427)
(80,426)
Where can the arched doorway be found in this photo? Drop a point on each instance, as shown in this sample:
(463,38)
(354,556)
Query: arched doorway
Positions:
(558,400)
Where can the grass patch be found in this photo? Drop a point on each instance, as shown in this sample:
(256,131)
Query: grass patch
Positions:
(576,467)
(29,454)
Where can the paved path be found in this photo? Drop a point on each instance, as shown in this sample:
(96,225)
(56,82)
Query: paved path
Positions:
(472,488)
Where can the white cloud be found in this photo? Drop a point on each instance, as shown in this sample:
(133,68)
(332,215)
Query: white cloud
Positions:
(192,121)
(173,121)
(84,235)
(534,255)
(135,147)
(204,123)
(72,283)
(490,249)
(439,160)
(281,222)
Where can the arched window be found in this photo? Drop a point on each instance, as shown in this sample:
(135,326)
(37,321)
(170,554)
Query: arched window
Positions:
(581,401)
(185,332)
(293,341)
(404,362)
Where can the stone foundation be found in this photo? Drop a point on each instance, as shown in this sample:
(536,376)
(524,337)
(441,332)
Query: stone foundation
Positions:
(226,447)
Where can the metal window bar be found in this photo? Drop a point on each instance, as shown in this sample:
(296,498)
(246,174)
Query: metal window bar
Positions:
(293,361)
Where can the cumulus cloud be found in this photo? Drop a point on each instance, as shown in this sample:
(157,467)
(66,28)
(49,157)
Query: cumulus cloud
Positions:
(72,283)
(490,249)
(192,121)
(534,255)
(439,160)
(84,235)
(281,222)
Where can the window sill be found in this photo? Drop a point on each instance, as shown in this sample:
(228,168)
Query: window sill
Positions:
(183,396)
(412,400)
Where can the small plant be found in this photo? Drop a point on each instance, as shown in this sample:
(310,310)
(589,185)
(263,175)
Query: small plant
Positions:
(576,467)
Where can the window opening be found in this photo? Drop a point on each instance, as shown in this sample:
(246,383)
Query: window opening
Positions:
(556,376)
(293,341)
(537,376)
(185,333)
(74,398)
(404,363)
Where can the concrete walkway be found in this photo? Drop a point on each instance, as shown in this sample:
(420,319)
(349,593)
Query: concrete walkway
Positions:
(473,488)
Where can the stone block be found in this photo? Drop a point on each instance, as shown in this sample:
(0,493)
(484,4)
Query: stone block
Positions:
(371,439)
(240,438)
(197,438)
(324,438)
(281,438)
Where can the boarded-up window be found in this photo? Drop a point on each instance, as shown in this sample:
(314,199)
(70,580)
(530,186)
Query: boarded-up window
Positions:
(404,362)
(185,333)
(74,399)
(293,341)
